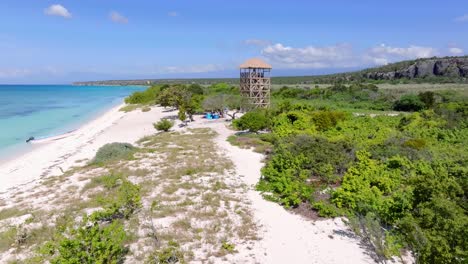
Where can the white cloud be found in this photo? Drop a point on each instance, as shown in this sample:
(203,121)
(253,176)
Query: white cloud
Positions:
(57,10)
(384,54)
(340,55)
(463,18)
(337,56)
(455,51)
(117,17)
(173,14)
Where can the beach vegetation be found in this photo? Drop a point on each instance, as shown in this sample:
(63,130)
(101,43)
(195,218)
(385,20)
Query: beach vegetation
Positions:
(147,96)
(11,212)
(252,140)
(228,247)
(253,121)
(90,242)
(120,206)
(8,237)
(163,125)
(171,253)
(196,88)
(400,178)
(409,103)
(113,152)
(129,107)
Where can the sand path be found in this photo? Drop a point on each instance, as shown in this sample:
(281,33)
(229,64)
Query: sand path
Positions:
(286,237)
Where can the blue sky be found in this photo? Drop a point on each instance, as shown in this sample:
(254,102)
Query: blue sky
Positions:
(64,41)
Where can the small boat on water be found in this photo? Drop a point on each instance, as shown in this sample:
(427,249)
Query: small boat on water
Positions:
(40,140)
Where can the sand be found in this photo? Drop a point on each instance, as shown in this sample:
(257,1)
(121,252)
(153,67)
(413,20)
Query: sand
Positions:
(54,155)
(285,237)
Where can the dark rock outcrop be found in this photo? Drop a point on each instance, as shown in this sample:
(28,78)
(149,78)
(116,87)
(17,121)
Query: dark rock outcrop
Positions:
(452,67)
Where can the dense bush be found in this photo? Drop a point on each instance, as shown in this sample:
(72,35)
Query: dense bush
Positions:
(287,92)
(163,125)
(324,120)
(293,122)
(253,121)
(428,98)
(302,163)
(99,237)
(405,186)
(143,97)
(113,152)
(125,201)
(409,103)
(90,243)
(195,89)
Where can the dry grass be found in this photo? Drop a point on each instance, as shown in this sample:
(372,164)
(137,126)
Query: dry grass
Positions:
(188,190)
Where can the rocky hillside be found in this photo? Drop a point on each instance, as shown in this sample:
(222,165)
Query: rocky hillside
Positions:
(433,70)
(449,67)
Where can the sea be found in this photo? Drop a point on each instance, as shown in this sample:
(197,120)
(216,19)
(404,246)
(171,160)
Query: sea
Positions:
(42,111)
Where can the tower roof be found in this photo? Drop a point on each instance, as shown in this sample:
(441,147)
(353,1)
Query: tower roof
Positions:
(255,63)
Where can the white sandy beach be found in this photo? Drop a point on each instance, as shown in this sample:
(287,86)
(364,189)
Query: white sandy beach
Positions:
(57,154)
(285,237)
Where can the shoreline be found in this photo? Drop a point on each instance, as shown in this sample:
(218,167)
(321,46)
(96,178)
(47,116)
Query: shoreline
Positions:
(28,164)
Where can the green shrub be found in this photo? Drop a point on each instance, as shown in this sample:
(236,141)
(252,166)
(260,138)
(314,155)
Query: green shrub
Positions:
(228,247)
(89,243)
(146,109)
(324,120)
(143,97)
(415,143)
(169,254)
(113,152)
(251,141)
(301,163)
(269,137)
(409,103)
(326,209)
(288,92)
(108,181)
(428,98)
(124,203)
(181,114)
(292,123)
(196,89)
(253,121)
(163,125)
(129,108)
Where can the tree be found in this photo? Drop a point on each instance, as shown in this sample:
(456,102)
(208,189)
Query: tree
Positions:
(174,96)
(427,98)
(215,103)
(191,104)
(410,103)
(166,98)
(237,103)
(196,89)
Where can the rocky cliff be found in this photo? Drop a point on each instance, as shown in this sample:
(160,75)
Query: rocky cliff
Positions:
(450,67)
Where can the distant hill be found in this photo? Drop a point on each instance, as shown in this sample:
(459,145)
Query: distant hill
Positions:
(434,70)
(448,67)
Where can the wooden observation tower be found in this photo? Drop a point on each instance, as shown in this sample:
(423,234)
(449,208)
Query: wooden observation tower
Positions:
(255,83)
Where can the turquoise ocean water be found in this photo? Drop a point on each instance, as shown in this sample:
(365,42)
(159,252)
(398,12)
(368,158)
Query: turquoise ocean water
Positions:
(48,110)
